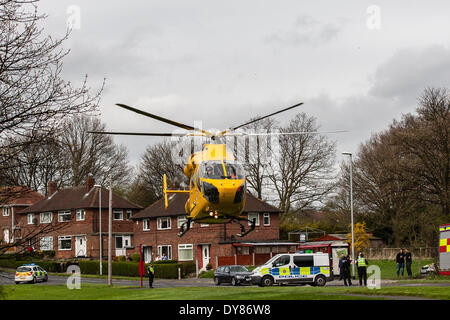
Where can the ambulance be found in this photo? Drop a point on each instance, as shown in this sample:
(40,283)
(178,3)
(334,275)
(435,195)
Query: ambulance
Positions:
(298,268)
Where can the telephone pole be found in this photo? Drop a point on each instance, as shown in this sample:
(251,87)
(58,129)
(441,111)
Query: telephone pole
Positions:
(110,234)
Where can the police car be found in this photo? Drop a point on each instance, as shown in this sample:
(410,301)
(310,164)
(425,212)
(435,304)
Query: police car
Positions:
(299,268)
(30,273)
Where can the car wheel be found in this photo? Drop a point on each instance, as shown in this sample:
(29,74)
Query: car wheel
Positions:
(267,281)
(45,279)
(216,281)
(320,281)
(234,282)
(34,280)
(16,282)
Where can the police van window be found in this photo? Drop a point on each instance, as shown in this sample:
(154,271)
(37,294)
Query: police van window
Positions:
(304,261)
(282,261)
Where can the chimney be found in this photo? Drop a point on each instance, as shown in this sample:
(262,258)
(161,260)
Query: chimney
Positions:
(90,182)
(52,187)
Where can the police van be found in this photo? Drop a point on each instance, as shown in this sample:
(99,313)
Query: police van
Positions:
(301,268)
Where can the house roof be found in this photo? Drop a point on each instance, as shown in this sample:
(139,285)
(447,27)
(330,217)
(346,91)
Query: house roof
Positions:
(177,201)
(328,237)
(78,198)
(19,196)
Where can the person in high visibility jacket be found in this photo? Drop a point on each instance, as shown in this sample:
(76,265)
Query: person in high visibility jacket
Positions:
(361,264)
(151,275)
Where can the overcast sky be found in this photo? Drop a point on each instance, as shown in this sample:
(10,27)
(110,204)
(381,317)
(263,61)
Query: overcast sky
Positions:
(355,64)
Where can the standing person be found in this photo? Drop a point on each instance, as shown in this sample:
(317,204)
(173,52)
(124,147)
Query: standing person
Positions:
(362,264)
(164,257)
(400,259)
(341,267)
(151,275)
(408,262)
(346,262)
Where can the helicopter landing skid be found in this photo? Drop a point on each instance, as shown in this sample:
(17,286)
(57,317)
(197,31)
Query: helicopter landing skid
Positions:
(243,231)
(184,227)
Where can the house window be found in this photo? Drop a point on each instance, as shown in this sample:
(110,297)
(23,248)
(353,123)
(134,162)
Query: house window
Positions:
(123,242)
(204,225)
(165,252)
(129,213)
(163,223)
(63,216)
(185,252)
(146,224)
(6,211)
(81,215)
(118,214)
(30,218)
(253,215)
(65,243)
(46,217)
(6,235)
(181,220)
(266,219)
(46,243)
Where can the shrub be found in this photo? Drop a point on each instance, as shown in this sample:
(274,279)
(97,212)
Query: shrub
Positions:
(122,258)
(135,257)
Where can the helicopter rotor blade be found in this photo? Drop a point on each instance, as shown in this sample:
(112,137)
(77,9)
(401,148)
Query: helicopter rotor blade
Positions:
(261,118)
(282,133)
(141,134)
(174,123)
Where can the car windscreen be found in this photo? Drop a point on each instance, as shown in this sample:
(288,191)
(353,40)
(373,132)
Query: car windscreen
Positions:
(23,269)
(238,269)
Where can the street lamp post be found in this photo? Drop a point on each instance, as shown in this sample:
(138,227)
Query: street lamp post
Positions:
(100,225)
(351,210)
(110,234)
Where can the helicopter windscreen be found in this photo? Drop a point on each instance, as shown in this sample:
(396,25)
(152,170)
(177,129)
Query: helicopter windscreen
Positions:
(212,170)
(234,170)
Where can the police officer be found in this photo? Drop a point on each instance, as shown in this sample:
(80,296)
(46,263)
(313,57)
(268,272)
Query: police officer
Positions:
(151,275)
(362,264)
(346,261)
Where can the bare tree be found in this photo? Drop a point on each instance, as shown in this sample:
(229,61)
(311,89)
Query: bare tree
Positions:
(34,98)
(301,173)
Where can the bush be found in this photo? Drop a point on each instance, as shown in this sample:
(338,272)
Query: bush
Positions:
(135,257)
(122,258)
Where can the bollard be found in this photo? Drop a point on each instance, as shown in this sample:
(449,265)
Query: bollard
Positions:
(179,273)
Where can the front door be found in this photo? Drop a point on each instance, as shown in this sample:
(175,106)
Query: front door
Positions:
(205,256)
(80,246)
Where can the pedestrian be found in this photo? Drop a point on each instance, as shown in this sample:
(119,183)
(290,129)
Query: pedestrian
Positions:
(151,275)
(400,259)
(346,262)
(341,267)
(362,264)
(408,262)
(157,258)
(164,257)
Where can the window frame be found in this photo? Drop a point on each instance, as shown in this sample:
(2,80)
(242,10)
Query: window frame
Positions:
(6,211)
(118,211)
(160,253)
(266,215)
(64,213)
(84,215)
(257,222)
(128,214)
(159,221)
(44,213)
(62,238)
(33,218)
(50,241)
(186,246)
(144,221)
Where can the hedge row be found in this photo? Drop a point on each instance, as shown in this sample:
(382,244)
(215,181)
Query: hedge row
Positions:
(163,269)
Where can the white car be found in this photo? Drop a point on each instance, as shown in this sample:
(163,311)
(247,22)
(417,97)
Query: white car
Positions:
(30,273)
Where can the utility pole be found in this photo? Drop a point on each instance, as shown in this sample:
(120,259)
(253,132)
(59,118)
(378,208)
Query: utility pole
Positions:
(110,235)
(100,226)
(351,210)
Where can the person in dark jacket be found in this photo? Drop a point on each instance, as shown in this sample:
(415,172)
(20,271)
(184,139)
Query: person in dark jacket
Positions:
(345,271)
(341,269)
(151,275)
(408,262)
(361,264)
(400,259)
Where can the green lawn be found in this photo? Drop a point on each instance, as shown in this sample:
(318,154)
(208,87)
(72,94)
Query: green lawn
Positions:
(103,292)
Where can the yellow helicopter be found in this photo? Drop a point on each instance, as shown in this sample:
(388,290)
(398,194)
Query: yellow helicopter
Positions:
(217,182)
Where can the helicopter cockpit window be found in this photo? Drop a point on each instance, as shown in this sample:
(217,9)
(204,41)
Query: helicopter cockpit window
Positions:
(212,170)
(234,170)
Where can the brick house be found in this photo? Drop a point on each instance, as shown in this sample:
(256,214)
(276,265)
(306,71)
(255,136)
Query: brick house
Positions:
(14,199)
(68,222)
(156,229)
